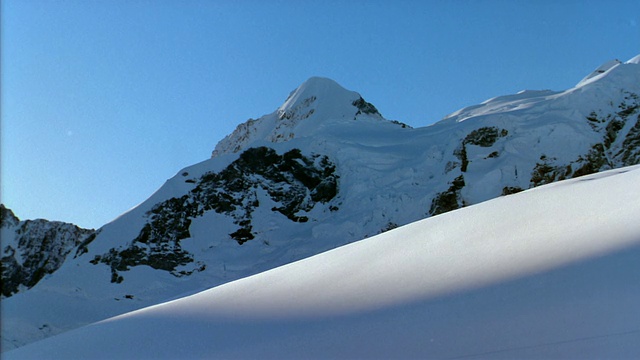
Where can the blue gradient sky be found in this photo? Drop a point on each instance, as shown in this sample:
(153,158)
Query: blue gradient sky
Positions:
(102,101)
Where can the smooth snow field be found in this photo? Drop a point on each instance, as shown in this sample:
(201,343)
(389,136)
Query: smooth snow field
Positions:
(552,272)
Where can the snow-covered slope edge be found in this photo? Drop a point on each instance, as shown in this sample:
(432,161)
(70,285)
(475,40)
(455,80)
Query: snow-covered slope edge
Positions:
(546,273)
(325,169)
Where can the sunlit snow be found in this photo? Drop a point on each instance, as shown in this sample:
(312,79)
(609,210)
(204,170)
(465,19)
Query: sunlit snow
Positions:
(549,272)
(389,175)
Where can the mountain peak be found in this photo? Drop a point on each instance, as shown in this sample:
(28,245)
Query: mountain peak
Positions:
(322,170)
(325,99)
(321,88)
(315,86)
(316,102)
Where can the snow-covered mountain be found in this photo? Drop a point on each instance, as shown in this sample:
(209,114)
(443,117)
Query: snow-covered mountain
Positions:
(318,102)
(324,170)
(32,249)
(551,272)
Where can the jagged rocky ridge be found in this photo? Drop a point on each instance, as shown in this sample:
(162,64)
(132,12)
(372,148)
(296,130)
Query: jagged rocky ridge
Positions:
(326,169)
(32,249)
(292,180)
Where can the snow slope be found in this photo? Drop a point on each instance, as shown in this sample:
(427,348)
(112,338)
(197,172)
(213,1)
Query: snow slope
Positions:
(323,170)
(552,272)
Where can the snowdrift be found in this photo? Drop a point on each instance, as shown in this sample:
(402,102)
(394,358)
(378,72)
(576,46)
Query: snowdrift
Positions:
(549,272)
(323,170)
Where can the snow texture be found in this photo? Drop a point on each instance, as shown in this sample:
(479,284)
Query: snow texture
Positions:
(547,273)
(387,175)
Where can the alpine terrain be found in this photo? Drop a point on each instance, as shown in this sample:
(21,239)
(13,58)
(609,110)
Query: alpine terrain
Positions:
(549,273)
(324,170)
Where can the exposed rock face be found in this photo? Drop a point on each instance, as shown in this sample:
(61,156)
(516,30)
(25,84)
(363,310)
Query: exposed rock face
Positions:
(32,249)
(323,170)
(619,132)
(293,181)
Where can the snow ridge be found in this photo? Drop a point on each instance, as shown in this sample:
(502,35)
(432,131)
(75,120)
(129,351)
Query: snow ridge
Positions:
(546,281)
(325,170)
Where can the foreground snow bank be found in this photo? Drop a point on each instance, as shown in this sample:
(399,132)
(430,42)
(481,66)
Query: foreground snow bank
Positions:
(549,272)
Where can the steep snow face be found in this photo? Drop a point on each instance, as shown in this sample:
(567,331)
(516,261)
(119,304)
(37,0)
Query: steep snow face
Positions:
(547,273)
(327,100)
(318,102)
(323,172)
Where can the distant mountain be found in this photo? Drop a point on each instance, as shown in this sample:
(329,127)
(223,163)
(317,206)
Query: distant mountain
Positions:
(32,249)
(323,170)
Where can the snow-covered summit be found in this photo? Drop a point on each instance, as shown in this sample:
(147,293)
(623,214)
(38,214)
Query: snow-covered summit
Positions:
(319,93)
(316,103)
(323,170)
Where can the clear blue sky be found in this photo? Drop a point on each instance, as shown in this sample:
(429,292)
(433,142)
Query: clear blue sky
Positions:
(102,101)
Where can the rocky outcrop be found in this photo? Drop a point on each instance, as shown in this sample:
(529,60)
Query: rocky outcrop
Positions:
(32,249)
(292,180)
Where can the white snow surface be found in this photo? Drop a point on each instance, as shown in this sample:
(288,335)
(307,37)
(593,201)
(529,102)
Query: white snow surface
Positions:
(317,103)
(388,175)
(634,60)
(551,272)
(589,91)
